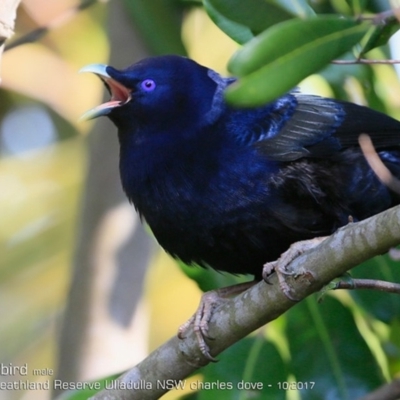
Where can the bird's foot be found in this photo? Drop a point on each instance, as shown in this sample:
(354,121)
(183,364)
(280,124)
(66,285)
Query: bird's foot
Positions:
(280,265)
(201,318)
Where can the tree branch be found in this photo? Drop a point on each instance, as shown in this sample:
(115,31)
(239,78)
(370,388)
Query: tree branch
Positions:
(238,317)
(383,286)
(58,21)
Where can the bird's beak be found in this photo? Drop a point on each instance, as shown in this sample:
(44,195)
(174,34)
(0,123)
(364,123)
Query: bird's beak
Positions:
(120,95)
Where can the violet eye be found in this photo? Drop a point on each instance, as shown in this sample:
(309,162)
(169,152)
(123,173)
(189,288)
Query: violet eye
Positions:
(148,85)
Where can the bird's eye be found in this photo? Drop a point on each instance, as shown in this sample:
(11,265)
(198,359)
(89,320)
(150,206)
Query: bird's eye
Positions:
(148,85)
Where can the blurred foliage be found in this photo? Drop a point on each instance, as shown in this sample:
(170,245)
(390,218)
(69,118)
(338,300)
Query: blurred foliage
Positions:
(91,389)
(339,349)
(42,164)
(166,16)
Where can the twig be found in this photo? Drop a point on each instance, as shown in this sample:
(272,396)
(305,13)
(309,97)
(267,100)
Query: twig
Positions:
(365,61)
(382,286)
(382,17)
(58,21)
(177,359)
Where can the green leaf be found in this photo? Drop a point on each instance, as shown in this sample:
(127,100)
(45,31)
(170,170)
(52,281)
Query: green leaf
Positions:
(299,8)
(240,21)
(209,279)
(288,38)
(159,21)
(381,35)
(275,61)
(327,349)
(392,347)
(257,15)
(238,32)
(252,368)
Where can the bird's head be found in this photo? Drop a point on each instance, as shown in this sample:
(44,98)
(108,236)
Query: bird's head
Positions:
(160,90)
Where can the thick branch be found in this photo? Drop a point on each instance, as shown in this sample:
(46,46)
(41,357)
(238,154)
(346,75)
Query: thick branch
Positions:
(235,319)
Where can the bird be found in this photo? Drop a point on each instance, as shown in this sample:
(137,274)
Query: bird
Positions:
(232,188)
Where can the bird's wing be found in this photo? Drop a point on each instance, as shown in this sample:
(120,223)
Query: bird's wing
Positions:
(319,127)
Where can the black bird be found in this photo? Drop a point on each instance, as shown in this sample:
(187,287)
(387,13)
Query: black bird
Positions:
(233,188)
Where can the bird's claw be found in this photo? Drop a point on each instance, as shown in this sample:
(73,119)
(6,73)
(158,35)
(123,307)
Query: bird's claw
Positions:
(200,321)
(268,269)
(280,265)
(201,318)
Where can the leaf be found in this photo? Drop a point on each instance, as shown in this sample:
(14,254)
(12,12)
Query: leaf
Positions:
(380,35)
(210,279)
(275,61)
(257,15)
(327,349)
(294,36)
(238,32)
(299,8)
(392,347)
(252,368)
(159,22)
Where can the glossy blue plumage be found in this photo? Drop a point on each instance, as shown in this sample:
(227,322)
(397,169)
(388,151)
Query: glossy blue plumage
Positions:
(233,188)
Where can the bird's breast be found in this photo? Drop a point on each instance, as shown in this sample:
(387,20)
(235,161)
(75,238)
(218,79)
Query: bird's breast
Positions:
(201,200)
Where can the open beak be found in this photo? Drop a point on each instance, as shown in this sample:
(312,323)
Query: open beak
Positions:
(120,95)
